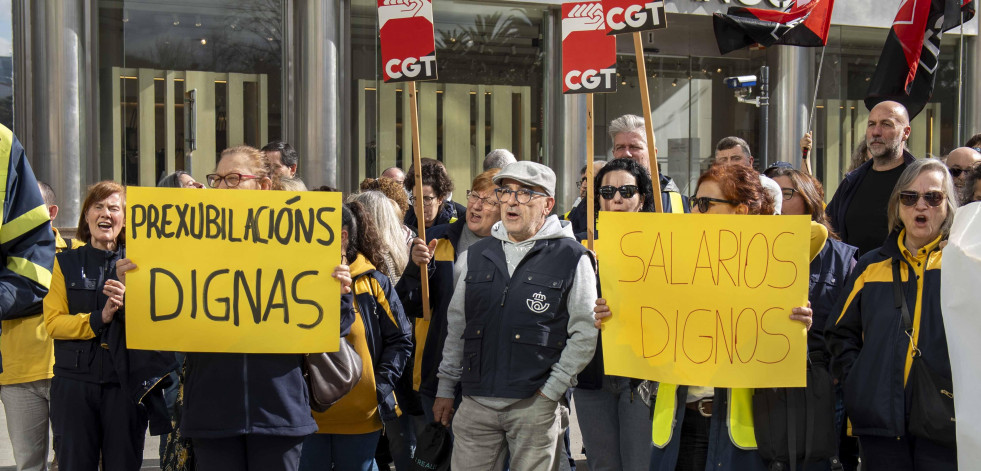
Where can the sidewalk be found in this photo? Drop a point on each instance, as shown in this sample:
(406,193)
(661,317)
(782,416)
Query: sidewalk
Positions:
(151,456)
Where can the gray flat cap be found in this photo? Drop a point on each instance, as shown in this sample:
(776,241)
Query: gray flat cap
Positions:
(529,173)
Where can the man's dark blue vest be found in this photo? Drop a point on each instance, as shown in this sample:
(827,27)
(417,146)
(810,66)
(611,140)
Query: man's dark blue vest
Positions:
(516,325)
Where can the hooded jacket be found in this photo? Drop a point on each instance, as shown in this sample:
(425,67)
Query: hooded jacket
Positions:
(574,301)
(26,242)
(429,336)
(382,336)
(448,214)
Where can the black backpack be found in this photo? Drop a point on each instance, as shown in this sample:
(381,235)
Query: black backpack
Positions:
(797,424)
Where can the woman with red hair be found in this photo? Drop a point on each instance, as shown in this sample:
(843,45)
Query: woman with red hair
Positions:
(695,425)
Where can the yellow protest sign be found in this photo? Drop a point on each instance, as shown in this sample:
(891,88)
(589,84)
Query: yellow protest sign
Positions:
(705,300)
(232,270)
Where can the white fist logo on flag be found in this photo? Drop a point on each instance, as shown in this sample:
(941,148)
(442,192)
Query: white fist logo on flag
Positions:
(585,17)
(398,9)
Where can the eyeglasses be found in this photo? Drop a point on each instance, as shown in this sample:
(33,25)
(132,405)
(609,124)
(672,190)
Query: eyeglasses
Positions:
(910,198)
(788,193)
(473,198)
(231,180)
(704,202)
(523,195)
(580,183)
(426,200)
(956,172)
(626,191)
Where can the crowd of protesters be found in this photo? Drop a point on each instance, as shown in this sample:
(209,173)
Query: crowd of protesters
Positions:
(515,333)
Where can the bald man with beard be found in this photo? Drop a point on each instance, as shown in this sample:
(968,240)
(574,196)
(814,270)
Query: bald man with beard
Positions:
(858,209)
(959,162)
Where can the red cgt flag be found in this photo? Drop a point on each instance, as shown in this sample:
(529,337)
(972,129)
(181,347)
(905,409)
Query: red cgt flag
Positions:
(804,23)
(907,67)
(589,55)
(408,45)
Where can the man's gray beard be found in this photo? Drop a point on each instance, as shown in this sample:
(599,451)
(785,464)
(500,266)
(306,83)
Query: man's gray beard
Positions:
(891,156)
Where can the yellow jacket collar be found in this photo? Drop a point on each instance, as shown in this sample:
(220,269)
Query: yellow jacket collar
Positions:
(819,236)
(60,243)
(361,265)
(926,249)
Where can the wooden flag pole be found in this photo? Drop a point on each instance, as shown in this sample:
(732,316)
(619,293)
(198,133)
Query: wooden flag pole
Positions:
(645,100)
(590,188)
(417,194)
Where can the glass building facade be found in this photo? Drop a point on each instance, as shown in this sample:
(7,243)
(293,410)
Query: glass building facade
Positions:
(134,89)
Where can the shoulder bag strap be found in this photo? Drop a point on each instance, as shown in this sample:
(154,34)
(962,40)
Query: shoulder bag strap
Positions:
(900,300)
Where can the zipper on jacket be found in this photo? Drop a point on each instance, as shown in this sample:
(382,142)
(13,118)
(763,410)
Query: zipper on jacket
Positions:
(504,298)
(245,374)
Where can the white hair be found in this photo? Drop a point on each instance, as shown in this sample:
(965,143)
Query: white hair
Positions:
(498,158)
(627,123)
(389,228)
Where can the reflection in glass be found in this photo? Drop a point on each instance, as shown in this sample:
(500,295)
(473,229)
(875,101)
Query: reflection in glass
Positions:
(237,42)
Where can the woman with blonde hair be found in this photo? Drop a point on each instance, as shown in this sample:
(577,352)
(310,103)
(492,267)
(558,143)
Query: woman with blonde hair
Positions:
(248,410)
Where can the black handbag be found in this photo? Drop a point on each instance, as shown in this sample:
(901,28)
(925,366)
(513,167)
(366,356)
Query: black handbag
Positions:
(433,449)
(795,425)
(932,396)
(331,375)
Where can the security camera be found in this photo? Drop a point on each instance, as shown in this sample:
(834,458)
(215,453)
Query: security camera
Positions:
(742,81)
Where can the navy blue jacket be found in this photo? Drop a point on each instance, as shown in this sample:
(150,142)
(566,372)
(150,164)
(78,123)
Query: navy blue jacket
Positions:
(428,354)
(388,332)
(231,394)
(105,359)
(870,350)
(516,326)
(450,212)
(829,271)
(842,199)
(25,235)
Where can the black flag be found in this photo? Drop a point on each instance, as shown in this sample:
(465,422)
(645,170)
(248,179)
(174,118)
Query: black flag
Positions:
(908,64)
(804,23)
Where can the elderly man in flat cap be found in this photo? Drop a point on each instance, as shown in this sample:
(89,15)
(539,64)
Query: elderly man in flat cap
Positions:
(519,330)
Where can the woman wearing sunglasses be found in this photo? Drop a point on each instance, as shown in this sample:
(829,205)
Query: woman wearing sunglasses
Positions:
(699,429)
(615,412)
(872,345)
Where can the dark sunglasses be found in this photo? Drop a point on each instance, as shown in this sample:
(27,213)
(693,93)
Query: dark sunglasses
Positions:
(909,198)
(626,191)
(704,202)
(956,172)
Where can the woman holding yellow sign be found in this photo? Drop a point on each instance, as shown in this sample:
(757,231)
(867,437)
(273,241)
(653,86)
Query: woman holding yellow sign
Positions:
(102,394)
(248,410)
(693,425)
(614,411)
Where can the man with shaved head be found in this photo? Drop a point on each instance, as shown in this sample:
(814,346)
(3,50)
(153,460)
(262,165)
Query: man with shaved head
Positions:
(858,209)
(960,161)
